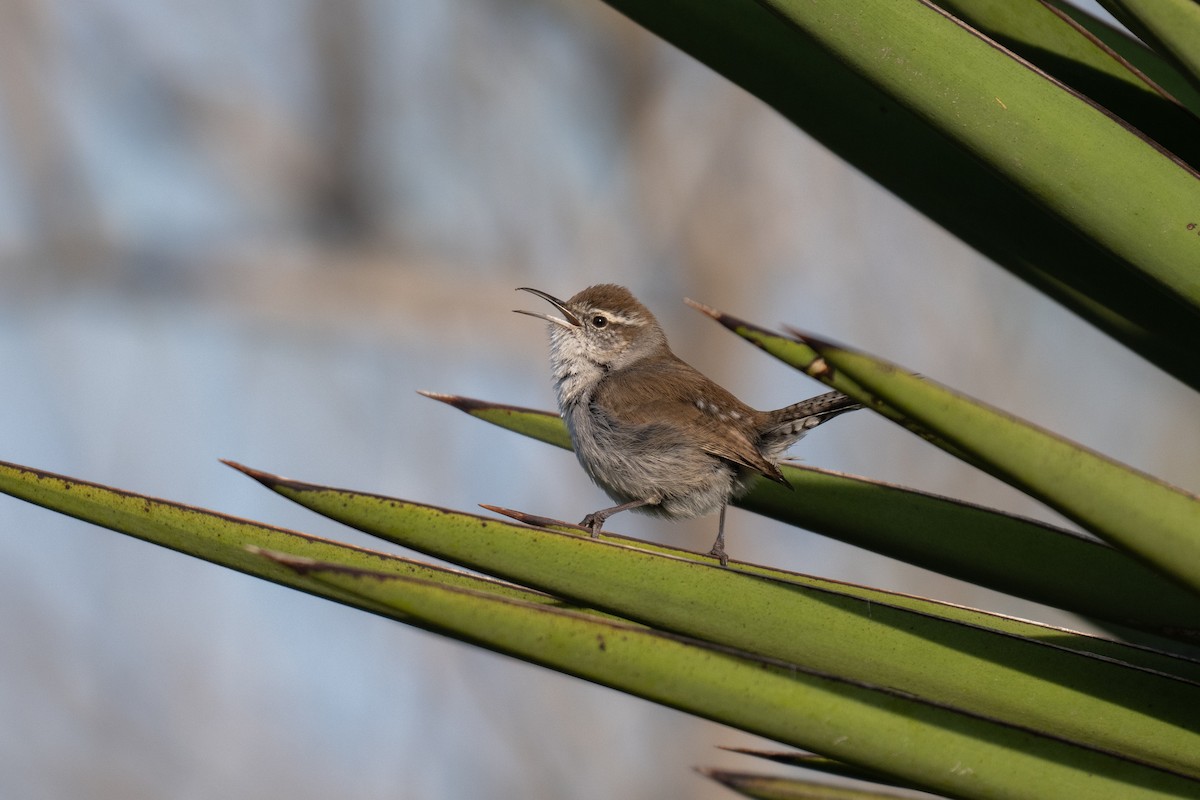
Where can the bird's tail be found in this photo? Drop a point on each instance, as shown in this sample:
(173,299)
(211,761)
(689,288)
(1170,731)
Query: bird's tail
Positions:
(790,423)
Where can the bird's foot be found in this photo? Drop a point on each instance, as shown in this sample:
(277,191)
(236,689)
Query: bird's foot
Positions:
(593,522)
(718,552)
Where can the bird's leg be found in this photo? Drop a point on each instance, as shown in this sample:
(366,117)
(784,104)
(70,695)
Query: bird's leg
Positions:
(595,520)
(718,548)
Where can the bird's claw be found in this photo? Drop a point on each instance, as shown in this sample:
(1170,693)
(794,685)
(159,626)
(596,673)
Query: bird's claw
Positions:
(720,554)
(593,522)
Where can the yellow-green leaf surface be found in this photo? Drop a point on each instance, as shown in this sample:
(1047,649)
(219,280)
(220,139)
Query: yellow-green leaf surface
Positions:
(1010,554)
(1137,512)
(1167,656)
(1137,54)
(1145,516)
(932,746)
(1162,655)
(1010,756)
(541,425)
(1101,703)
(1053,144)
(222,539)
(1034,176)
(1171,26)
(1056,44)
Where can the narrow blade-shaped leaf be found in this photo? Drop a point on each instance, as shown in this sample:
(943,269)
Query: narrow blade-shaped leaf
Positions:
(834,79)
(1010,554)
(1171,26)
(1135,511)
(1142,58)
(1052,143)
(1056,44)
(1171,657)
(1082,698)
(224,540)
(932,746)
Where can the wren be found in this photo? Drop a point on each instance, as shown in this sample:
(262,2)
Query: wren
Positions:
(651,431)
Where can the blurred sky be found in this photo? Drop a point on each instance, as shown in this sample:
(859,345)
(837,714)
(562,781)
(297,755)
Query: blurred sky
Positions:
(253,230)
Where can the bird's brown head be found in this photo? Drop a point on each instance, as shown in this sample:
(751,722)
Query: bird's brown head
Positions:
(602,327)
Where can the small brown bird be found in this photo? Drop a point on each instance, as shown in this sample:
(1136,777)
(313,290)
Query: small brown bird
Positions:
(653,432)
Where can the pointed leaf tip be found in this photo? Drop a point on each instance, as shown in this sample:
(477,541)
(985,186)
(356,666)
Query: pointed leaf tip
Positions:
(471,406)
(703,309)
(815,342)
(304,565)
(728,320)
(819,368)
(519,516)
(267,479)
(726,778)
(300,564)
(461,403)
(532,519)
(262,477)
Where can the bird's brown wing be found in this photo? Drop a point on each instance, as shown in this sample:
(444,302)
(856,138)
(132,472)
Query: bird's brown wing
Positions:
(672,394)
(744,453)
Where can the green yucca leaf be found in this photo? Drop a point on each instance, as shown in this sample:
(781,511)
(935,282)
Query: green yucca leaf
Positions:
(1050,186)
(1157,522)
(935,746)
(1055,43)
(1080,697)
(1010,554)
(1172,27)
(932,746)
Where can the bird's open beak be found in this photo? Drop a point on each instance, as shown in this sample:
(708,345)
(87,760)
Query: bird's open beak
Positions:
(571,320)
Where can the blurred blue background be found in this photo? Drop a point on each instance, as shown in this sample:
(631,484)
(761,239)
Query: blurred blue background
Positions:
(253,230)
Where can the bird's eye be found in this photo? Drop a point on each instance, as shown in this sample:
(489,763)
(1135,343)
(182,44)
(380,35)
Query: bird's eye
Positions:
(599,321)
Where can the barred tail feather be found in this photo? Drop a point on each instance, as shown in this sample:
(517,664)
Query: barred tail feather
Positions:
(794,420)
